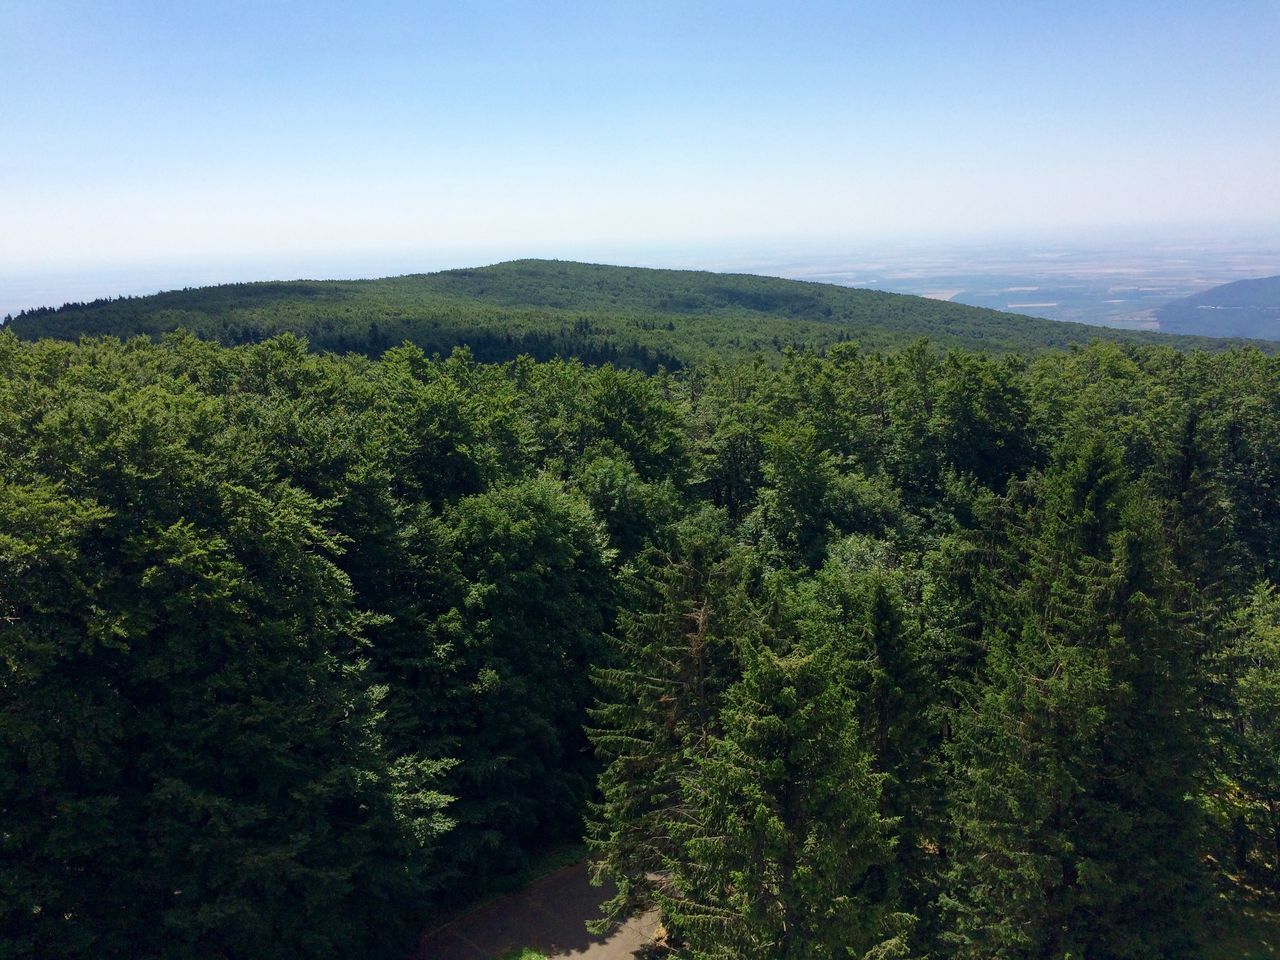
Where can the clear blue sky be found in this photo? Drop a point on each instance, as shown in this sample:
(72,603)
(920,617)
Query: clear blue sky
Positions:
(135,130)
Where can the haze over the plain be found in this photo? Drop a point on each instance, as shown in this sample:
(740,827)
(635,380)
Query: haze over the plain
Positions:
(327,134)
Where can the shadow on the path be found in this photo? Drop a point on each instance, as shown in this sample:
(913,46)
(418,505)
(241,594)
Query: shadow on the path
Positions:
(550,916)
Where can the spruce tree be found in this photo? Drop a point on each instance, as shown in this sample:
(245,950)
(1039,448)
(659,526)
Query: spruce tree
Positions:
(1074,832)
(659,699)
(1247,721)
(857,605)
(780,831)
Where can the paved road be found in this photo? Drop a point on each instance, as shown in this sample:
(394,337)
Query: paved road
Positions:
(548,915)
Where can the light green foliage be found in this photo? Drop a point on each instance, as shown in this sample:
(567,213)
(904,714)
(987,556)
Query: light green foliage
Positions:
(860,606)
(781,827)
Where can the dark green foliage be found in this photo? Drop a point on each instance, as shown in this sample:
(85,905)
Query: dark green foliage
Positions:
(660,694)
(251,601)
(923,652)
(535,595)
(193,760)
(1247,668)
(1075,832)
(980,418)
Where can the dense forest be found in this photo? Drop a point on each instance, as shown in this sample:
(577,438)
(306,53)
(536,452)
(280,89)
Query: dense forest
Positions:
(874,654)
(638,318)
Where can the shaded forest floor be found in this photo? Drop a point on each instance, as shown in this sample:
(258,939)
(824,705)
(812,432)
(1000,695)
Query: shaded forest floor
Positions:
(1248,929)
(546,918)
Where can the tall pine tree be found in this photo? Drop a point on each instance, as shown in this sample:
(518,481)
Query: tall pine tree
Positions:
(659,701)
(1074,832)
(780,837)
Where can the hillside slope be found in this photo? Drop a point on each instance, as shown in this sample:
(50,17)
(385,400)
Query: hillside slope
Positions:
(1246,308)
(628,315)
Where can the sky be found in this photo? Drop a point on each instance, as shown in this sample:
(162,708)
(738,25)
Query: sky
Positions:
(361,138)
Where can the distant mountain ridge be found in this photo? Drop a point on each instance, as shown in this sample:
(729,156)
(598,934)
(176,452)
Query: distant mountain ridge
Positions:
(1245,308)
(631,316)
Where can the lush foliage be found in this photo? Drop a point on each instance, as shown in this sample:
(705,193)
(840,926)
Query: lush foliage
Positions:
(871,654)
(643,319)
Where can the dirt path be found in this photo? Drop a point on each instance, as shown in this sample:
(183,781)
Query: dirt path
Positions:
(548,915)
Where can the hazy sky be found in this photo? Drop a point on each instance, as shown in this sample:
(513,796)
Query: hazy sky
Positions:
(187,130)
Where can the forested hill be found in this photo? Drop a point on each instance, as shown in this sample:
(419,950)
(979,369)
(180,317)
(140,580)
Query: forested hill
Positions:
(631,316)
(1246,308)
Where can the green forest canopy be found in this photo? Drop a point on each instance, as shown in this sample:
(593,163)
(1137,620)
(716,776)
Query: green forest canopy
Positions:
(629,316)
(872,654)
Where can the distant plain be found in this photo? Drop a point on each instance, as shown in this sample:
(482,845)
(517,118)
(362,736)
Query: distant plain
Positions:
(1109,282)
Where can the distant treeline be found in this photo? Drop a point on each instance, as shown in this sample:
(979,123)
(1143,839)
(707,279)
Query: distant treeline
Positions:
(870,654)
(642,319)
